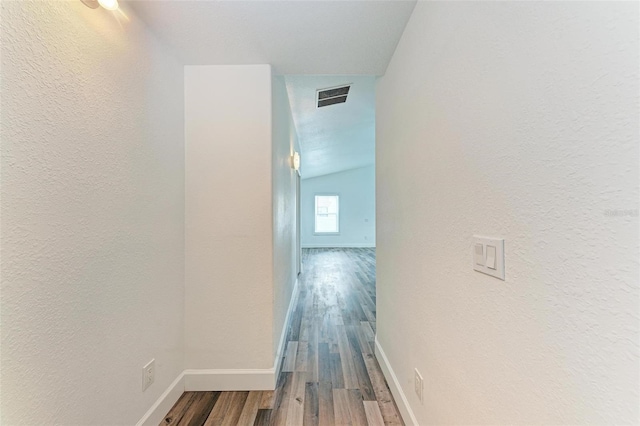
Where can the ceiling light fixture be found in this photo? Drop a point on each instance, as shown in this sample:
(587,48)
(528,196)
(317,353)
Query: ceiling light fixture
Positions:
(109,4)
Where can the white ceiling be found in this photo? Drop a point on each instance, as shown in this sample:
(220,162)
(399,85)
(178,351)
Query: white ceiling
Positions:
(295,37)
(317,44)
(337,137)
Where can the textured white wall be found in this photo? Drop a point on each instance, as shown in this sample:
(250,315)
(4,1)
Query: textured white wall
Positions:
(229,246)
(357,190)
(92,215)
(517,120)
(284,143)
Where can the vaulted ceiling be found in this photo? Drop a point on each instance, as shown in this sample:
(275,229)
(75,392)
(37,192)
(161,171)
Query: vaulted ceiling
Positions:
(316,44)
(337,137)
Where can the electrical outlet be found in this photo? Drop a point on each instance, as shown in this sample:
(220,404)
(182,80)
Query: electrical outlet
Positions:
(418,383)
(148,374)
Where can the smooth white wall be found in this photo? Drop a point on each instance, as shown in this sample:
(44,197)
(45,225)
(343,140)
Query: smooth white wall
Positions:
(515,120)
(284,144)
(92,215)
(229,246)
(357,215)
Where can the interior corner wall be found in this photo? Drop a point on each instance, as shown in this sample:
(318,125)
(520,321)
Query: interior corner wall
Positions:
(357,208)
(92,186)
(285,143)
(228,232)
(516,120)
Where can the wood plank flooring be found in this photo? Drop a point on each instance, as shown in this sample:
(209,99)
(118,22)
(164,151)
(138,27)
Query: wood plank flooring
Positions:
(329,374)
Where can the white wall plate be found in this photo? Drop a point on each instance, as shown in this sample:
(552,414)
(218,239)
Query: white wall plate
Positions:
(487,255)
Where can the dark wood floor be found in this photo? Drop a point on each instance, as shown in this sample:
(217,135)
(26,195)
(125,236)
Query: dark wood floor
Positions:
(330,375)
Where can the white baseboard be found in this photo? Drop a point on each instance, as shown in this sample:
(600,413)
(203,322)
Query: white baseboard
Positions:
(394,385)
(163,405)
(285,327)
(229,380)
(222,380)
(340,245)
(244,379)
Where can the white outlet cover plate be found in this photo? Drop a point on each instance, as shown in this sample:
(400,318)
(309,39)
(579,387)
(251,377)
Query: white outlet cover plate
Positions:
(148,374)
(498,243)
(418,383)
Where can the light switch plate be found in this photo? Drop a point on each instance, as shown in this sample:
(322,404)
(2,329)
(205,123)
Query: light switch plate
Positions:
(498,260)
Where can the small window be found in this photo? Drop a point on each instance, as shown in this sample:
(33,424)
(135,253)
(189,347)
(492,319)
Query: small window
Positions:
(327,214)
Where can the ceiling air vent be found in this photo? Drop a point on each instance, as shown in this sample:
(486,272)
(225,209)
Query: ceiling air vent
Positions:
(331,96)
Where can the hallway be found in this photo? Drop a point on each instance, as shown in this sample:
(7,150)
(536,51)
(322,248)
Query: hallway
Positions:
(329,373)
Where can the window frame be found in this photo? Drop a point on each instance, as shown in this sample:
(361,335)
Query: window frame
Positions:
(315,213)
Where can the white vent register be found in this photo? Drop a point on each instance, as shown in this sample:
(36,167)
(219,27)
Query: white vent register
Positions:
(488,256)
(332,95)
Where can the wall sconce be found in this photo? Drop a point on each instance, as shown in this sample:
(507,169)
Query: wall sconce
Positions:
(107,4)
(295,161)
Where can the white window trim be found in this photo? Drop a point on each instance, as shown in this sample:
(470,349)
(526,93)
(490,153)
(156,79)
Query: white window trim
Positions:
(315,216)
